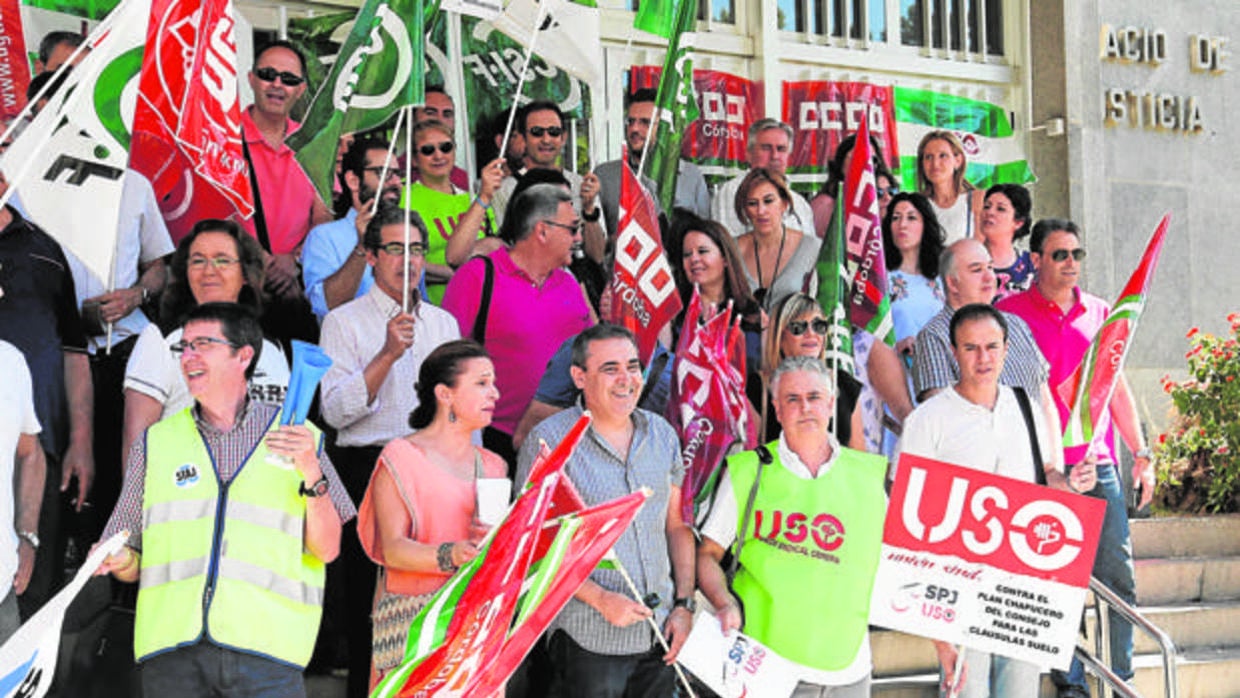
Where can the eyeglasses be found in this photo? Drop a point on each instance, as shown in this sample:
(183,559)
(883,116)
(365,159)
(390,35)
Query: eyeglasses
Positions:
(574,228)
(269,74)
(391,172)
(416,249)
(887,191)
(538,131)
(428,149)
(798,327)
(1062,255)
(199,344)
(219,263)
(632,121)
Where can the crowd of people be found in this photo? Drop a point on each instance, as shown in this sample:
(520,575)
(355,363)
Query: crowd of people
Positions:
(463,325)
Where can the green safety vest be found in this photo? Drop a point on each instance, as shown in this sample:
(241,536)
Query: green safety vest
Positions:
(810,555)
(223,563)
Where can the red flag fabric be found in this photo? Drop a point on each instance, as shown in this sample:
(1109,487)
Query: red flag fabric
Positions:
(643,290)
(868,304)
(187,126)
(14,64)
(707,406)
(593,533)
(1087,392)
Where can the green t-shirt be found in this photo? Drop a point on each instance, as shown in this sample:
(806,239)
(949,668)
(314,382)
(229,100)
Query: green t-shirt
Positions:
(440,212)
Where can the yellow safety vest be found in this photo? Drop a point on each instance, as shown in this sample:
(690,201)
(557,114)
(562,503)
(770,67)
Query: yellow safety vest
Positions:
(225,563)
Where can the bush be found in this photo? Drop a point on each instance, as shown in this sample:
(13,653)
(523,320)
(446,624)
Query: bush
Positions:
(1199,470)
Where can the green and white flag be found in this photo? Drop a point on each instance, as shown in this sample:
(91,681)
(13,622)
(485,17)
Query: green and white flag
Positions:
(676,104)
(985,132)
(381,68)
(564,32)
(658,17)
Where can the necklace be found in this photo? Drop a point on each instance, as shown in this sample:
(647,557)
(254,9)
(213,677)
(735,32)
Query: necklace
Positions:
(760,294)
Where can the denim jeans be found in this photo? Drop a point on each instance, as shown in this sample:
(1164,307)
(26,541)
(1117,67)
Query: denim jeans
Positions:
(989,674)
(579,673)
(1113,567)
(205,670)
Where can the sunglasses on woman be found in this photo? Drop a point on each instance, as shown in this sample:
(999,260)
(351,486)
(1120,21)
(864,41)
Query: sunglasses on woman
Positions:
(798,327)
(428,149)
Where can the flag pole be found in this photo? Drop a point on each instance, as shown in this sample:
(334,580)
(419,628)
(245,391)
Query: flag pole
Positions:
(658,632)
(525,66)
(404,299)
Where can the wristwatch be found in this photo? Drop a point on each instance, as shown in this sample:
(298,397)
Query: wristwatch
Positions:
(593,217)
(1144,453)
(30,537)
(688,603)
(318,489)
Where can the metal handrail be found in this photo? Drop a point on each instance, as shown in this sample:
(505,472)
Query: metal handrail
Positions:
(1111,682)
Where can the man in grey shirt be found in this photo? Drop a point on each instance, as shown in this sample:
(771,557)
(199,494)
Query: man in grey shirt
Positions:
(602,643)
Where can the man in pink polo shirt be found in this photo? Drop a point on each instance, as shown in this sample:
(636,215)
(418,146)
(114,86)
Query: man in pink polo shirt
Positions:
(533,304)
(286,201)
(1064,320)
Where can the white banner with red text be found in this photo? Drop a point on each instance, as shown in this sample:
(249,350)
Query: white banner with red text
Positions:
(984,561)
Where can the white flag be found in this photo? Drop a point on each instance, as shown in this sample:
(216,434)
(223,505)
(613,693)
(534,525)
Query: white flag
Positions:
(568,35)
(28,659)
(482,9)
(69,163)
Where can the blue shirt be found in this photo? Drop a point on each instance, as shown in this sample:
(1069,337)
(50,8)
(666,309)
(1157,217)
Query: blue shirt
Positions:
(327,248)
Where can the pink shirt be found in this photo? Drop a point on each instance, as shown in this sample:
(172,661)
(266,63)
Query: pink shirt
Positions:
(1064,338)
(525,325)
(287,194)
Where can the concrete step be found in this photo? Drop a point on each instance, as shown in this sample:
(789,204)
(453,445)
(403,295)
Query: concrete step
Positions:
(1201,673)
(1164,581)
(1189,536)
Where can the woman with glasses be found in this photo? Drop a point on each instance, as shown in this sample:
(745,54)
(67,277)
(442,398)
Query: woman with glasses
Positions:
(823,203)
(777,259)
(799,328)
(940,178)
(456,220)
(1006,219)
(217,261)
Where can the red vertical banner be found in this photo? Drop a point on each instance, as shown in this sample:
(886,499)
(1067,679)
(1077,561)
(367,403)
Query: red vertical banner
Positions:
(823,113)
(728,105)
(14,63)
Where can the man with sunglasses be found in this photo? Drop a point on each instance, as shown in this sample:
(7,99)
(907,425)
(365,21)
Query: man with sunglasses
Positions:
(541,125)
(237,618)
(377,343)
(334,257)
(1064,320)
(691,191)
(287,203)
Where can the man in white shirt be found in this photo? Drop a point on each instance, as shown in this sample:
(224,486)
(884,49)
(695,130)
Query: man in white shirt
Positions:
(770,142)
(978,423)
(377,343)
(22,492)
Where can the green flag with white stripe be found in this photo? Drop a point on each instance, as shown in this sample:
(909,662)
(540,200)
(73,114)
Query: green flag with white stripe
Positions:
(993,153)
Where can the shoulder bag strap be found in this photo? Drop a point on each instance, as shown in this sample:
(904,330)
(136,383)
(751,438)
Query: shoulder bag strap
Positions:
(479,333)
(260,221)
(1022,399)
(764,457)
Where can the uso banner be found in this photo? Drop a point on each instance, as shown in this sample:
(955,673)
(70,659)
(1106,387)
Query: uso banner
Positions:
(985,561)
(822,113)
(728,105)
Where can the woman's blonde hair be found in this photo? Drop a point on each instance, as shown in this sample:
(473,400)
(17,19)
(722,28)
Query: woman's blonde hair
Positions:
(923,185)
